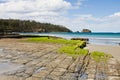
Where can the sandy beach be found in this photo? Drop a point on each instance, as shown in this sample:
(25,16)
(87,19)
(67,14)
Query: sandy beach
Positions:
(114,50)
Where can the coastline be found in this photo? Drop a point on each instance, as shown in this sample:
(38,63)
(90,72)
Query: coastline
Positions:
(34,61)
(114,50)
(109,49)
(94,38)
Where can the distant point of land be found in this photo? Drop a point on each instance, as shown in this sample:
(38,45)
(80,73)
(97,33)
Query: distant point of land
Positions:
(86,31)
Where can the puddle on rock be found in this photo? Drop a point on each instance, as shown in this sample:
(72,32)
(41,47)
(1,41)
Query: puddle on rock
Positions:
(9,67)
(5,60)
(101,76)
(40,69)
(1,50)
(83,77)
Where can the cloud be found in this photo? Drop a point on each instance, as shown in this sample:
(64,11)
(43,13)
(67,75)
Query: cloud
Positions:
(96,24)
(56,12)
(34,7)
(115,14)
(110,23)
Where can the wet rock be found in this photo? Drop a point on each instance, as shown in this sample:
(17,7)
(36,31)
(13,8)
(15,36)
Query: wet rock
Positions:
(53,77)
(58,71)
(24,75)
(32,78)
(1,50)
(9,67)
(113,78)
(32,63)
(29,70)
(82,39)
(20,61)
(10,78)
(46,64)
(69,76)
(66,63)
(41,72)
(8,56)
(113,67)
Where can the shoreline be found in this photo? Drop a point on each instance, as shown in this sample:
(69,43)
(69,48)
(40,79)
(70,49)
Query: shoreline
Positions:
(34,61)
(114,50)
(91,40)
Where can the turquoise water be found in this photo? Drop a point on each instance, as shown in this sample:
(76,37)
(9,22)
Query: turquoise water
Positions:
(94,38)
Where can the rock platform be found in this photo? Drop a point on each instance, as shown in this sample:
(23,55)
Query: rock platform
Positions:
(40,61)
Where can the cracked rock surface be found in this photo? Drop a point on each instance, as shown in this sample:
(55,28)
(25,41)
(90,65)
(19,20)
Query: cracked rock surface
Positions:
(40,61)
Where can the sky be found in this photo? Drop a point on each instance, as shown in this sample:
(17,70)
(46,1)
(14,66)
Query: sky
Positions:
(96,15)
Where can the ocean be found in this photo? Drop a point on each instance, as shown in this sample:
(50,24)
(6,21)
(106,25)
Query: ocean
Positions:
(94,38)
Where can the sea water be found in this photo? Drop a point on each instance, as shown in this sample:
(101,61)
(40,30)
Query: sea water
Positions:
(94,38)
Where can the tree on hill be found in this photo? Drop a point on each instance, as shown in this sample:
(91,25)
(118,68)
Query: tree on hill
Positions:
(11,25)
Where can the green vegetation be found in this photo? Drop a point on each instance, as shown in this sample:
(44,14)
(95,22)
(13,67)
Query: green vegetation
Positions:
(73,51)
(73,48)
(54,40)
(100,56)
(10,25)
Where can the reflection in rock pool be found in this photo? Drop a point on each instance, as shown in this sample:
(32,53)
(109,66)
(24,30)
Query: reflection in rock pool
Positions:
(9,67)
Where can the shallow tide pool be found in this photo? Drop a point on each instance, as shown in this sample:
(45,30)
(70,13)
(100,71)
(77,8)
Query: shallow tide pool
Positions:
(9,67)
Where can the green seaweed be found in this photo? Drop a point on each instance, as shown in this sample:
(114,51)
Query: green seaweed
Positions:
(54,40)
(100,56)
(73,48)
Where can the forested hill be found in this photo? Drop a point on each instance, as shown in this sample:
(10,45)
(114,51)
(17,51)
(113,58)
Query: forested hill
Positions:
(11,25)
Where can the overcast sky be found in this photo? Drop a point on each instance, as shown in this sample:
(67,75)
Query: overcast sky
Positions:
(97,15)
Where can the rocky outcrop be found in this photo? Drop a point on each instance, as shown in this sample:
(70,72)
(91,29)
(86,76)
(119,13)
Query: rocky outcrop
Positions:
(86,31)
(42,62)
(82,39)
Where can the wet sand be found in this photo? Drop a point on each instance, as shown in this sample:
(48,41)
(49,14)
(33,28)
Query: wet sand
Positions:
(114,50)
